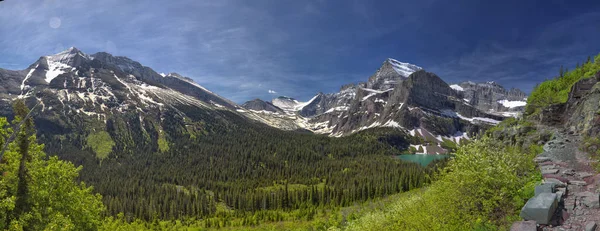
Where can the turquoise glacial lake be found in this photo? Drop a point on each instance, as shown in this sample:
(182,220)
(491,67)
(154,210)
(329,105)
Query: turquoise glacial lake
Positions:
(423,159)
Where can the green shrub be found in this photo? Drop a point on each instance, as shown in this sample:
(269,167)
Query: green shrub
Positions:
(482,188)
(450,145)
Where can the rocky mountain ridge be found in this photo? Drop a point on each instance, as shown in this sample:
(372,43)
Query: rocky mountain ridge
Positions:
(99,89)
(405,96)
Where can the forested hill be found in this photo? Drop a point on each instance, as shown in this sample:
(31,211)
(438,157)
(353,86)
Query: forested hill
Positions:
(247,167)
(227,169)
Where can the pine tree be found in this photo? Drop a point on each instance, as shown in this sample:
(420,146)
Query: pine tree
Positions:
(23,203)
(561,71)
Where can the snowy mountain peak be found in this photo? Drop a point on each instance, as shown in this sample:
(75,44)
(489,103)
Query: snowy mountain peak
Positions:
(404,69)
(70,57)
(175,74)
(391,73)
(285,103)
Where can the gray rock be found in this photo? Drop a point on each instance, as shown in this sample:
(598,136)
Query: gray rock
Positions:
(578,183)
(548,167)
(559,196)
(541,159)
(549,171)
(544,188)
(569,172)
(523,226)
(557,183)
(592,202)
(259,105)
(590,226)
(585,175)
(540,208)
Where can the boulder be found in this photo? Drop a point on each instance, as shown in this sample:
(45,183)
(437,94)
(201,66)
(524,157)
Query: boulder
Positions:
(544,188)
(523,226)
(540,208)
(590,226)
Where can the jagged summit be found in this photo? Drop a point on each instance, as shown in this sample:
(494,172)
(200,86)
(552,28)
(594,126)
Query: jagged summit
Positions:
(390,74)
(398,94)
(261,106)
(404,69)
(70,57)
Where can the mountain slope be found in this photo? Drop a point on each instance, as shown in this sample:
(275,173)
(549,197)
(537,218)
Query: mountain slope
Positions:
(403,96)
(492,98)
(183,151)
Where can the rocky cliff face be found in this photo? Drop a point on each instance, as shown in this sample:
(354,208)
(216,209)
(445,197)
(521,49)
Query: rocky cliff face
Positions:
(89,93)
(492,97)
(405,97)
(402,95)
(423,100)
(581,113)
(79,95)
(259,105)
(390,74)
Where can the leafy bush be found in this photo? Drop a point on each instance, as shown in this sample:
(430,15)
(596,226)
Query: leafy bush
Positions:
(482,188)
(42,194)
(450,145)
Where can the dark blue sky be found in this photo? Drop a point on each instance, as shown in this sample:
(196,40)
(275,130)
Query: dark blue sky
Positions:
(247,49)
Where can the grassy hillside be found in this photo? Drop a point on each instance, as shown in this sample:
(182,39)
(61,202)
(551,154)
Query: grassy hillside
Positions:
(557,90)
(482,188)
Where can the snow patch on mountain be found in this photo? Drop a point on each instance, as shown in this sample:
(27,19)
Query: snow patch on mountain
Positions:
(392,124)
(300,106)
(55,69)
(376,91)
(472,120)
(291,105)
(404,69)
(340,108)
(457,87)
(285,103)
(368,96)
(512,104)
(68,55)
(27,77)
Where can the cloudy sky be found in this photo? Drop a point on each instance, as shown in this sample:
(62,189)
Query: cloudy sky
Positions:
(245,49)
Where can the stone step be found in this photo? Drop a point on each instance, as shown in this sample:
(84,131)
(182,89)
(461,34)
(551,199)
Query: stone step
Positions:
(549,171)
(540,208)
(556,180)
(541,159)
(544,188)
(590,226)
(578,182)
(583,175)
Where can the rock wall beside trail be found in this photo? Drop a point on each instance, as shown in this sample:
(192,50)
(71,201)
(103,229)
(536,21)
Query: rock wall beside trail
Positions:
(581,113)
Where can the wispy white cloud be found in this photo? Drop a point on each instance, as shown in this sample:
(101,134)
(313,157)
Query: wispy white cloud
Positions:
(232,47)
(242,49)
(272,92)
